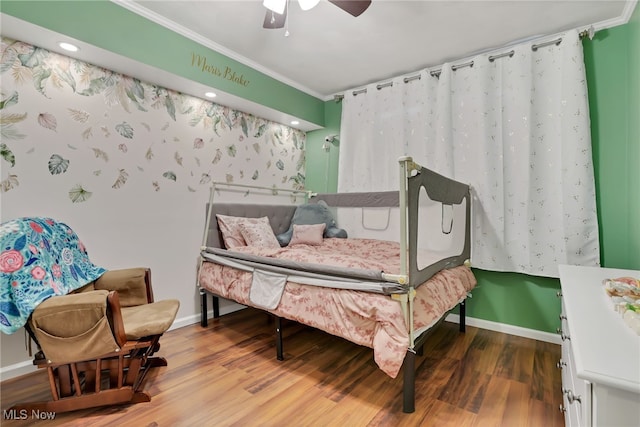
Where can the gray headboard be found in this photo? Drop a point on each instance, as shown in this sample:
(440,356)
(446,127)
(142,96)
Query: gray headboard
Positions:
(279,217)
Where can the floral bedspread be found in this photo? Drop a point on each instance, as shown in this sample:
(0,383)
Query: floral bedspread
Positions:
(39,258)
(372,320)
(366,254)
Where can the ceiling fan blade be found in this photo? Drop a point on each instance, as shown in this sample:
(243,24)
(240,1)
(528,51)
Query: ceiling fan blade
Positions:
(354,7)
(274,20)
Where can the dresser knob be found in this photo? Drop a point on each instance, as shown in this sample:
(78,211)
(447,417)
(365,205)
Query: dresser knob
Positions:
(573,398)
(561,364)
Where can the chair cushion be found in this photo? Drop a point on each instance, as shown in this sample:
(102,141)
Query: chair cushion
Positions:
(149,319)
(128,282)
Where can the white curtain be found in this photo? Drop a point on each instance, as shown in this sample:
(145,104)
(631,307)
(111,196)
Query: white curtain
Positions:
(515,127)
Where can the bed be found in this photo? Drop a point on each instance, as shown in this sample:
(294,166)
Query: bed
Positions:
(383,287)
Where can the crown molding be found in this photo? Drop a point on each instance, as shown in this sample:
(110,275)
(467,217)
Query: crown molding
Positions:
(192,35)
(624,18)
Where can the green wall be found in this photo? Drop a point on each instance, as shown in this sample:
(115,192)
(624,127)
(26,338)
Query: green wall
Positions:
(322,166)
(106,25)
(634,139)
(613,76)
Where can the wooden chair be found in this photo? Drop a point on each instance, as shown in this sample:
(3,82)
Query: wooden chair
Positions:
(97,343)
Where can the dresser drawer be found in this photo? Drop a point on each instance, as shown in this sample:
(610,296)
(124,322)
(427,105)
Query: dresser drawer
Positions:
(574,390)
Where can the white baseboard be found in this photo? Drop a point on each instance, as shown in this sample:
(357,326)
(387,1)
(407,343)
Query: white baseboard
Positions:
(507,329)
(195,318)
(27,366)
(17,369)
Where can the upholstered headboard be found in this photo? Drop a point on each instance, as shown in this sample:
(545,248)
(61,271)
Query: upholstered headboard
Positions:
(279,217)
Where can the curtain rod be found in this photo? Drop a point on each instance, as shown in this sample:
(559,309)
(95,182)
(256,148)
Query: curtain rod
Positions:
(589,32)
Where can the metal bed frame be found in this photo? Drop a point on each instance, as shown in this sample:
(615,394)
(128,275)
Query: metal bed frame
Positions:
(413,178)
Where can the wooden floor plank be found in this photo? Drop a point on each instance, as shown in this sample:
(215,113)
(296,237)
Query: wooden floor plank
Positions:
(227,375)
(516,359)
(484,350)
(443,414)
(544,414)
(467,386)
(494,405)
(545,385)
(432,376)
(516,410)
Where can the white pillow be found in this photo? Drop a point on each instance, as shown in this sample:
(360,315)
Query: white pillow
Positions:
(230,228)
(310,234)
(259,234)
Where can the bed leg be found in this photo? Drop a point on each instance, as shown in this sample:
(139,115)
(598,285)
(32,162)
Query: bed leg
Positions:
(203,308)
(409,382)
(463,315)
(216,306)
(279,353)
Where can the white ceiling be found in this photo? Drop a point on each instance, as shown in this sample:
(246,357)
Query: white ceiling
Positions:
(329,51)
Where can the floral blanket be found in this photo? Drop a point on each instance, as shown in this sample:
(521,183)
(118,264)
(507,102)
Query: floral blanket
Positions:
(39,258)
(364,254)
(370,319)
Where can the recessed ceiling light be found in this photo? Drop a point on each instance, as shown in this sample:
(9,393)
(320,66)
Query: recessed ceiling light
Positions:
(295,122)
(210,95)
(68,46)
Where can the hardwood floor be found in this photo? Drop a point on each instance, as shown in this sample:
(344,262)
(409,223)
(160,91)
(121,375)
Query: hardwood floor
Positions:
(227,375)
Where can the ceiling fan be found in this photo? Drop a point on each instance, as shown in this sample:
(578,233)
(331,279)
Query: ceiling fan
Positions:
(276,15)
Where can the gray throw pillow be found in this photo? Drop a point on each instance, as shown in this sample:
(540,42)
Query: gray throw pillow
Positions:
(317,213)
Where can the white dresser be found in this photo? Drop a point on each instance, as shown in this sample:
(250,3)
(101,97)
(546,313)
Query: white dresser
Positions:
(600,352)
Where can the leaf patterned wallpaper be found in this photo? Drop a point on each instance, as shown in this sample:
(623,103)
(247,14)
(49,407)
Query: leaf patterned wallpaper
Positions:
(128,165)
(106,131)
